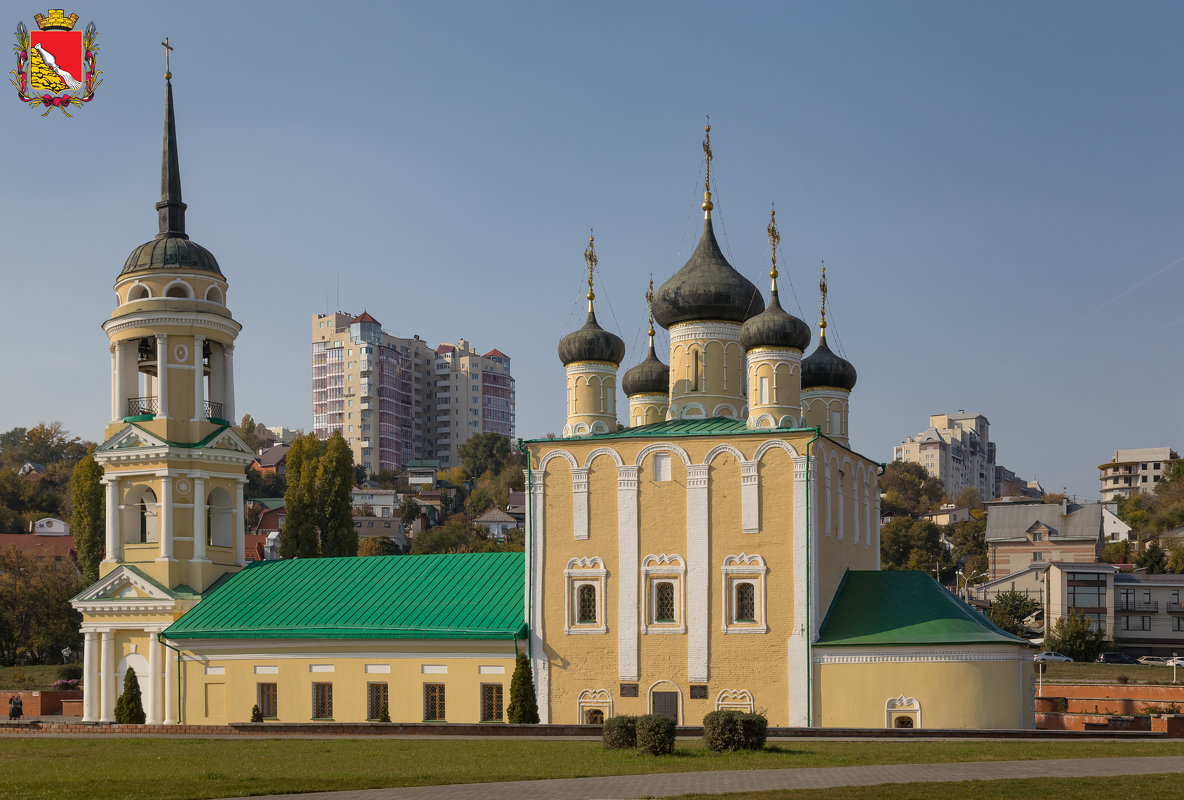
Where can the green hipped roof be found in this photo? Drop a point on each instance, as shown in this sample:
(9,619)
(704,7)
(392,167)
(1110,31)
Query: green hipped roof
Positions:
(710,426)
(457,596)
(903,608)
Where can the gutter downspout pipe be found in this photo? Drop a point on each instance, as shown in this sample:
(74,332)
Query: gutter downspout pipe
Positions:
(809,624)
(180,701)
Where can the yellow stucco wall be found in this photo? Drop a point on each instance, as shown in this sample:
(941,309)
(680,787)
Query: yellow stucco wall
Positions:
(950,694)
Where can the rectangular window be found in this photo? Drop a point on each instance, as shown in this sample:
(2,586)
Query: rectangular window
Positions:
(661,466)
(1037,536)
(1177,624)
(664,601)
(586,601)
(266,698)
(322,701)
(764,391)
(745,608)
(491,702)
(1038,556)
(433,702)
(377,698)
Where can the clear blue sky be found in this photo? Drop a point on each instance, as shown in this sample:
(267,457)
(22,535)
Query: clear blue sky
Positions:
(995,188)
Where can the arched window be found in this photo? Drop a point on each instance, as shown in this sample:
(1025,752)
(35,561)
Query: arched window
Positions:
(213,295)
(177,290)
(745,608)
(220,518)
(696,371)
(664,601)
(595,716)
(138,292)
(587,604)
(903,722)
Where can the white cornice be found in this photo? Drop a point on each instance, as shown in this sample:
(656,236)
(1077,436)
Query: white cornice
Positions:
(894,655)
(192,319)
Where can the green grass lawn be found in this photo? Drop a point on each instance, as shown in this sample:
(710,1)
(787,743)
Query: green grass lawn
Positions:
(28,678)
(1077,788)
(96,768)
(1108,673)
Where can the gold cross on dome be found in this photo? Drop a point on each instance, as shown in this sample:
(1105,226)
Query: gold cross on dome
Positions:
(168,74)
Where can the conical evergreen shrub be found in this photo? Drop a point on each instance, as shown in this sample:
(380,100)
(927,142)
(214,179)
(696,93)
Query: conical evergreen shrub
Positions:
(129,708)
(523,708)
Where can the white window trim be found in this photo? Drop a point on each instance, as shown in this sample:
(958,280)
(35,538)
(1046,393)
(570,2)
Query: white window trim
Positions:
(744,568)
(590,699)
(734,700)
(583,572)
(671,569)
(901,705)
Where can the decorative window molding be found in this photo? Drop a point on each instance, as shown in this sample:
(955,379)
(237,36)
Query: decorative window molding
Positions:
(744,570)
(583,575)
(902,707)
(593,700)
(663,569)
(734,700)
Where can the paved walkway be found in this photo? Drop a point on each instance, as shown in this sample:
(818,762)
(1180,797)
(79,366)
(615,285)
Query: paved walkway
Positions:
(671,784)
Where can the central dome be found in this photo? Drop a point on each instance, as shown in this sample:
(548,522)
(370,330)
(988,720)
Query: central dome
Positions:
(591,343)
(707,287)
(172,252)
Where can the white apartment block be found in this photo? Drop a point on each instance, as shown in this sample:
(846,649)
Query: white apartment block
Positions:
(396,400)
(957,449)
(1134,471)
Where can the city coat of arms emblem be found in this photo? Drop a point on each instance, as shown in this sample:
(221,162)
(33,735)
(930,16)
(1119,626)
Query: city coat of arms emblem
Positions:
(55,64)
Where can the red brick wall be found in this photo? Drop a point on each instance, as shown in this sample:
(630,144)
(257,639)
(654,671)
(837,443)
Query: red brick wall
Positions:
(37,704)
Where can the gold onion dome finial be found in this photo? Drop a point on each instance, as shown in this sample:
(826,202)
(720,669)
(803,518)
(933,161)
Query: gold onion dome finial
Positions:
(168,73)
(774,241)
(592,261)
(591,342)
(824,367)
(649,299)
(774,327)
(707,204)
(822,290)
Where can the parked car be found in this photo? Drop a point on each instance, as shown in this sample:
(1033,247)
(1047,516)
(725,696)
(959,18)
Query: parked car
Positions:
(1049,655)
(1153,661)
(1114,658)
(1175,661)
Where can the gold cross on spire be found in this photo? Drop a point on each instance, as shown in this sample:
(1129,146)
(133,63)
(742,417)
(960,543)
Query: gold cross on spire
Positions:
(649,298)
(707,205)
(590,258)
(168,74)
(822,288)
(774,240)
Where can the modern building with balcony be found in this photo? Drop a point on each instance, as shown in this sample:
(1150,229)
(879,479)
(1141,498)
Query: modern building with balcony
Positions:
(956,448)
(1134,471)
(398,400)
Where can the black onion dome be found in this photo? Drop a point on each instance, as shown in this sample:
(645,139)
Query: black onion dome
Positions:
(707,287)
(774,327)
(824,368)
(649,377)
(172,252)
(591,343)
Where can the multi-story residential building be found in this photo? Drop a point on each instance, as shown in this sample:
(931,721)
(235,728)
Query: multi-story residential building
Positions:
(1020,535)
(1140,613)
(1134,471)
(957,449)
(397,400)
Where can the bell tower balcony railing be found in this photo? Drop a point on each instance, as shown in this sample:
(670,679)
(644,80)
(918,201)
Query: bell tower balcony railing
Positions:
(213,410)
(143,406)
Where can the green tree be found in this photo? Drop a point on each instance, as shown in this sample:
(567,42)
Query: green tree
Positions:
(911,544)
(1153,559)
(1076,637)
(909,489)
(334,482)
(969,498)
(523,708)
(36,618)
(1116,552)
(129,708)
(970,544)
(248,429)
(456,535)
(479,501)
(1176,557)
(88,522)
(299,537)
(378,546)
(485,452)
(409,513)
(1010,609)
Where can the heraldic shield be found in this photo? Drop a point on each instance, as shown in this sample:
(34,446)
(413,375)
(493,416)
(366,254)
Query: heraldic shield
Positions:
(55,65)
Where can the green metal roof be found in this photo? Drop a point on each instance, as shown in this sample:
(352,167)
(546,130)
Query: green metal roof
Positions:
(903,608)
(457,596)
(711,426)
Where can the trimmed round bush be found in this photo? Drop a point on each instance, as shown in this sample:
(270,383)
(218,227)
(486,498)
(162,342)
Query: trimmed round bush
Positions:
(754,729)
(620,733)
(70,672)
(655,735)
(722,731)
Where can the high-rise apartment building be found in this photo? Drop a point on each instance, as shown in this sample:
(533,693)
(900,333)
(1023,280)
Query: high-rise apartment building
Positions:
(957,449)
(1134,471)
(396,400)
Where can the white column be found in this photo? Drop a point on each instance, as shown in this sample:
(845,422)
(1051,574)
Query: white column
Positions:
(90,677)
(630,573)
(162,375)
(217,385)
(228,385)
(199,396)
(240,545)
(170,687)
(113,544)
(579,502)
(107,678)
(129,372)
(538,656)
(199,519)
(698,561)
(166,518)
(116,382)
(152,693)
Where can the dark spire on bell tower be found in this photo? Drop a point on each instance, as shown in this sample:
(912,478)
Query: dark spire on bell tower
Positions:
(170,209)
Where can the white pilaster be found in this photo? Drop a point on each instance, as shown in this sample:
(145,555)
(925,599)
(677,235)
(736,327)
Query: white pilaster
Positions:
(170,687)
(798,666)
(698,558)
(152,706)
(240,547)
(842,498)
(579,502)
(228,386)
(534,572)
(162,375)
(166,518)
(113,539)
(629,573)
(199,393)
(750,496)
(91,683)
(116,382)
(199,519)
(107,678)
(129,374)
